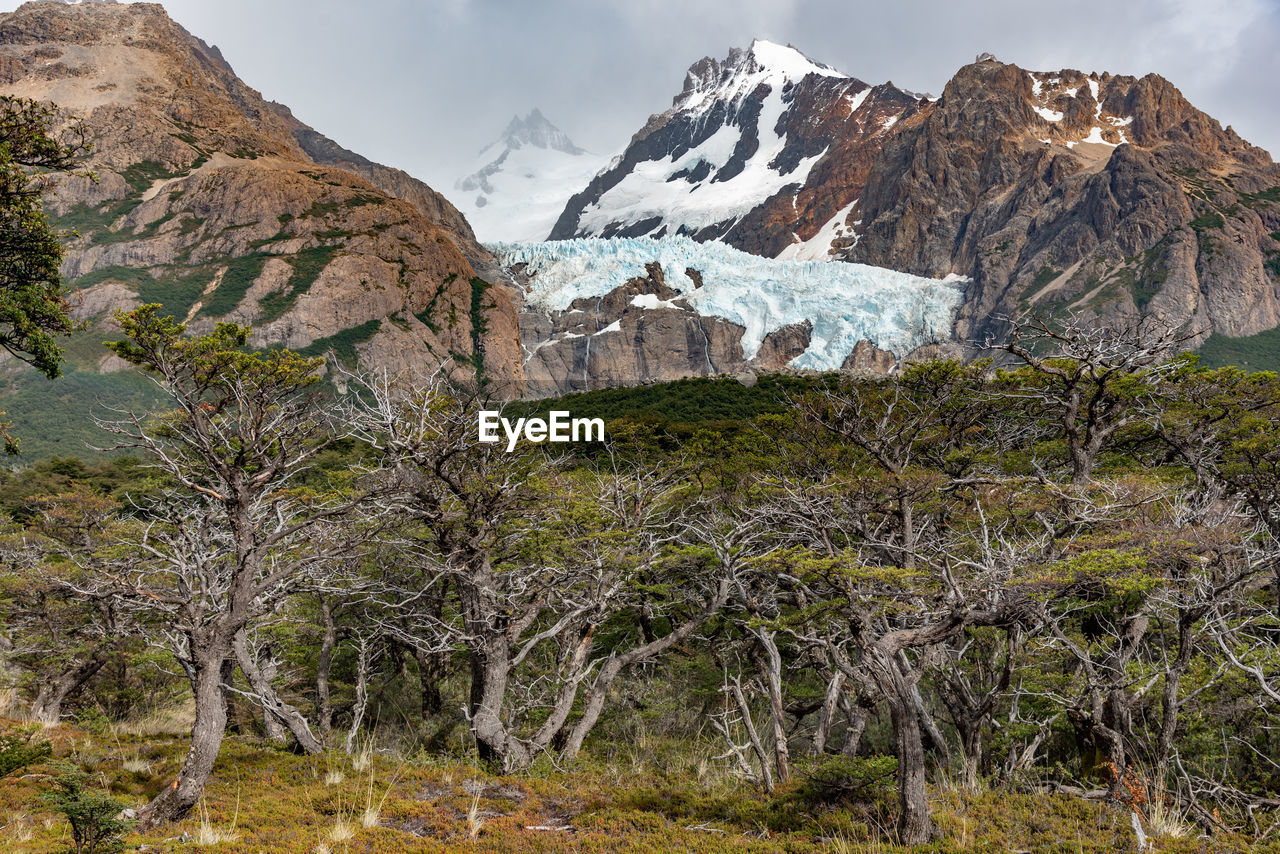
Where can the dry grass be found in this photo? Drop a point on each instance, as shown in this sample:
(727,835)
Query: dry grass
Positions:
(343,830)
(135,764)
(475,822)
(362,758)
(19,828)
(1167,822)
(372,814)
(173,719)
(208,833)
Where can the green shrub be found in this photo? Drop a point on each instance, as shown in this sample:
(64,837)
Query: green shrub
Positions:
(90,812)
(846,780)
(20,749)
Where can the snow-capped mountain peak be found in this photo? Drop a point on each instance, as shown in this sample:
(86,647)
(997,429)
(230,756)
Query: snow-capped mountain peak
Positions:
(710,80)
(788,61)
(763,150)
(520,181)
(533,131)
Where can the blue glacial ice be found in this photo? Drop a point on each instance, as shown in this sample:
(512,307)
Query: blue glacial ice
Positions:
(846,303)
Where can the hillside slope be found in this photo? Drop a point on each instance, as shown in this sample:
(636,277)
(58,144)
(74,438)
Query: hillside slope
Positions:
(223,206)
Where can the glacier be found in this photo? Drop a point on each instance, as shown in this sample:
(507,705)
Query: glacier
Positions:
(846,303)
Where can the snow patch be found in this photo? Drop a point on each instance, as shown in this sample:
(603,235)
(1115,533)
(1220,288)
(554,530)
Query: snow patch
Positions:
(1095,136)
(818,247)
(1047,114)
(855,101)
(651,301)
(845,303)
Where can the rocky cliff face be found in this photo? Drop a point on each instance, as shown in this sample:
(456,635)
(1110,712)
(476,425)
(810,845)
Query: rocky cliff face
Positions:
(223,206)
(766,150)
(1067,192)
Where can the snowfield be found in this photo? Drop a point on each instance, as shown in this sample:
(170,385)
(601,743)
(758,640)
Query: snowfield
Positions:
(846,303)
(527,193)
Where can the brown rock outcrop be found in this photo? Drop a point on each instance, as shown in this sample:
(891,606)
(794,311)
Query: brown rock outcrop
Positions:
(1065,192)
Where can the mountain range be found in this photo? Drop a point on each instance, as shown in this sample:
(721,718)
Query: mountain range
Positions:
(1051,191)
(1056,192)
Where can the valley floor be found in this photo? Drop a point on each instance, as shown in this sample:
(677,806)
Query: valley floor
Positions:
(644,795)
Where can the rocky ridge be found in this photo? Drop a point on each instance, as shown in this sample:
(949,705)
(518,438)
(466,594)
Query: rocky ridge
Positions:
(1092,194)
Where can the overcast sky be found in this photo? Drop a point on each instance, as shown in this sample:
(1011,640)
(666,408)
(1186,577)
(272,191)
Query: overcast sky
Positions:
(424,84)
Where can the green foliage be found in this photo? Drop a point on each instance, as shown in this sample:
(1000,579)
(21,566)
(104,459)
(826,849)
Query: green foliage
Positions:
(33,313)
(1272,264)
(699,400)
(208,362)
(307,266)
(117,478)
(846,779)
(343,344)
(1151,275)
(1269,195)
(90,812)
(478,327)
(176,288)
(140,176)
(1208,220)
(20,749)
(1260,352)
(241,273)
(57,418)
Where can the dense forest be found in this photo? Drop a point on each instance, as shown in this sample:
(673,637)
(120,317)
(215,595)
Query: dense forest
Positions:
(1030,603)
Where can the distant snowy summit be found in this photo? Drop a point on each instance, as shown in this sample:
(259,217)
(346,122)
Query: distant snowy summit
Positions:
(522,180)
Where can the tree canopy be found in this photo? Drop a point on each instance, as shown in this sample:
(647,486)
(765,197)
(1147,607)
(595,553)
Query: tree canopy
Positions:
(33,308)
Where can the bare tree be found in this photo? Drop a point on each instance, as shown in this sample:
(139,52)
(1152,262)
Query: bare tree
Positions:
(228,545)
(1093,380)
(538,561)
(63,638)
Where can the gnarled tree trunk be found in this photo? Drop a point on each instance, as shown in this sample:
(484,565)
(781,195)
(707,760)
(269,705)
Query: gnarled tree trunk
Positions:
(275,710)
(210,671)
(47,707)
